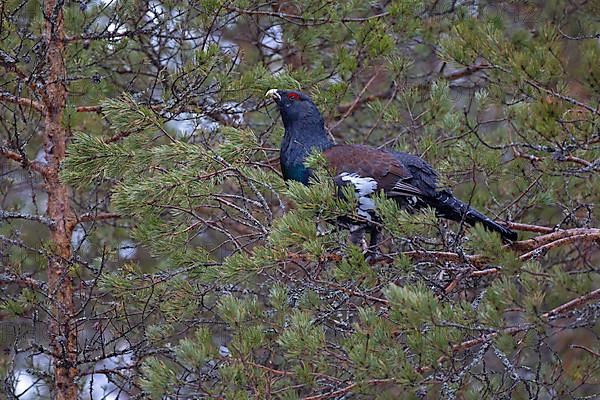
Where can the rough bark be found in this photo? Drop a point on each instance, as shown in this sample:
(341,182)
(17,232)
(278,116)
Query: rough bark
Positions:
(62,330)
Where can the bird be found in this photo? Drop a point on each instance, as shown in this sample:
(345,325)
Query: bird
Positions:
(406,178)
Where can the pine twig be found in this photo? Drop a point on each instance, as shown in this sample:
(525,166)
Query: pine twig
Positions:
(344,390)
(14,156)
(29,217)
(575,303)
(89,217)
(568,306)
(527,227)
(5,96)
(22,281)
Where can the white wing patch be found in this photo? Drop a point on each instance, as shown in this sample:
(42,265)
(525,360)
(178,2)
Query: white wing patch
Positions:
(364,187)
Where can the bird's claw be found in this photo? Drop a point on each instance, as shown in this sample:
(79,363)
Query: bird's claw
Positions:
(372,254)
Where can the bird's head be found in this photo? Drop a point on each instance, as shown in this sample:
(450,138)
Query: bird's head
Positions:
(295,106)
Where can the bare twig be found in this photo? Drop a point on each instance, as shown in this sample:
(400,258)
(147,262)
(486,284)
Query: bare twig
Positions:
(356,101)
(466,71)
(30,217)
(22,281)
(575,303)
(304,19)
(348,388)
(348,108)
(592,352)
(9,63)
(563,97)
(14,156)
(5,96)
(527,227)
(89,217)
(555,239)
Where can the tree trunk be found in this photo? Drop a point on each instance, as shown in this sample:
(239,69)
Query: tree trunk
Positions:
(63,331)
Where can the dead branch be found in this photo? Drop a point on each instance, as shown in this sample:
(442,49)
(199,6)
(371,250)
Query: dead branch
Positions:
(303,19)
(30,217)
(466,71)
(14,156)
(562,237)
(89,217)
(22,281)
(344,390)
(9,63)
(575,303)
(527,227)
(571,305)
(5,96)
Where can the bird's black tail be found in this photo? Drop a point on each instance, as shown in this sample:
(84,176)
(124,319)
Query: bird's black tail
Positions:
(448,206)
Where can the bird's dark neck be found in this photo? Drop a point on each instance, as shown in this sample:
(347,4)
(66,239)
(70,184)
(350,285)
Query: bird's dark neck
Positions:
(301,137)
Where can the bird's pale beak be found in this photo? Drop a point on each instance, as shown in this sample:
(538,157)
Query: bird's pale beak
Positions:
(272,93)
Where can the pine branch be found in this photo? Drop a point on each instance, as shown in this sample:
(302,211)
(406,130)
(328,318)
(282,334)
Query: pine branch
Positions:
(5,96)
(466,71)
(9,63)
(486,338)
(92,217)
(357,101)
(30,217)
(563,97)
(14,156)
(540,251)
(554,239)
(107,35)
(416,255)
(220,116)
(573,304)
(345,390)
(21,244)
(117,137)
(89,217)
(552,93)
(352,292)
(557,156)
(592,352)
(527,227)
(83,109)
(10,278)
(472,274)
(347,109)
(534,247)
(445,256)
(343,108)
(303,20)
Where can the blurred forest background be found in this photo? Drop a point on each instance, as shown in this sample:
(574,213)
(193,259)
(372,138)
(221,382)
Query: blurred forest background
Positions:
(149,247)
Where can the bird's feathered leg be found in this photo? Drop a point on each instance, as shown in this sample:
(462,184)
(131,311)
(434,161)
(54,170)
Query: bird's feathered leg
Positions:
(357,237)
(375,237)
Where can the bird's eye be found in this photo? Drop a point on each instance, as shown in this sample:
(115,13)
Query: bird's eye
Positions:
(293,96)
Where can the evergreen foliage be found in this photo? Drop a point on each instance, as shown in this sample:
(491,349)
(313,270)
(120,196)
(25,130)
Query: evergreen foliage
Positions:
(199,273)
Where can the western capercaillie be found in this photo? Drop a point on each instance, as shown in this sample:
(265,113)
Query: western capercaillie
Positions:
(406,178)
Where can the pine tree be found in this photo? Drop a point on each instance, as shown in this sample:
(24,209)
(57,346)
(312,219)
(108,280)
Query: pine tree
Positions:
(151,249)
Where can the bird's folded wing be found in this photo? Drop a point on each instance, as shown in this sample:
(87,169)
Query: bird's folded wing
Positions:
(403,189)
(390,173)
